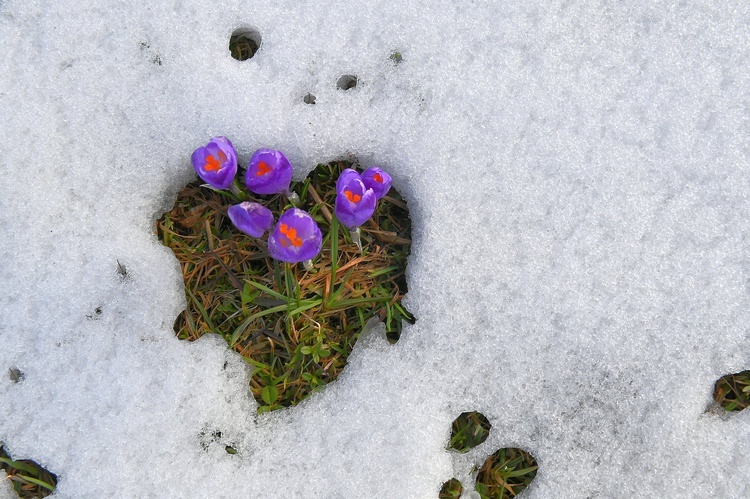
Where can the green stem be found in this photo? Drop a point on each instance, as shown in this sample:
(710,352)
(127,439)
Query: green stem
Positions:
(334,235)
(235,189)
(36,481)
(359,301)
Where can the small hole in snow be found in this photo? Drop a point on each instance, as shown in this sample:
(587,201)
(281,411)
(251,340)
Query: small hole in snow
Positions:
(208,437)
(43,484)
(15,374)
(95,315)
(506,473)
(145,47)
(451,489)
(396,57)
(469,430)
(122,271)
(244,43)
(346,82)
(732,391)
(309,99)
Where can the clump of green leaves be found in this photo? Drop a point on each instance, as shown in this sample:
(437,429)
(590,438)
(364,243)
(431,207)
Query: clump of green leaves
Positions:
(296,328)
(28,478)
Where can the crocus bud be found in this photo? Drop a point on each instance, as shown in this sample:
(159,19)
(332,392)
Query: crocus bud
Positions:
(251,218)
(355,203)
(216,163)
(376,179)
(269,172)
(296,237)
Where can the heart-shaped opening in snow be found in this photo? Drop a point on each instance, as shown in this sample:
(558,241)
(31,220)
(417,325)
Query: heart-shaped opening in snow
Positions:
(295,327)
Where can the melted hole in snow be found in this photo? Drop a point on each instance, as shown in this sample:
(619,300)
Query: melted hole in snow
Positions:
(469,430)
(146,48)
(346,82)
(234,289)
(122,270)
(732,392)
(506,473)
(396,57)
(15,374)
(207,438)
(95,316)
(451,489)
(42,481)
(309,99)
(244,43)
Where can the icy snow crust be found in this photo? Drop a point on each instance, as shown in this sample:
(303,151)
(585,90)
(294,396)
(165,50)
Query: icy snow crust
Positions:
(578,177)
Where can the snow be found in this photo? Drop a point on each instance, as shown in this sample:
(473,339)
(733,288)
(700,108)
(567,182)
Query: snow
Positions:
(577,175)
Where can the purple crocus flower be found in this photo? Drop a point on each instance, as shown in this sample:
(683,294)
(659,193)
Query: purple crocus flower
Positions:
(355,203)
(376,179)
(216,163)
(269,172)
(251,218)
(296,237)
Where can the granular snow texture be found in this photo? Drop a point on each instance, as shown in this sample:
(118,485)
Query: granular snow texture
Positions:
(577,175)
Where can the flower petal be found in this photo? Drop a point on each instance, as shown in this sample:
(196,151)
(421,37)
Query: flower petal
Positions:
(355,203)
(269,172)
(216,162)
(377,180)
(296,237)
(251,218)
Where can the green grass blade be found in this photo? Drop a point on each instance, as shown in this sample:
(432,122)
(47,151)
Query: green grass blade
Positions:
(332,298)
(359,301)
(268,290)
(260,365)
(376,273)
(334,235)
(19,465)
(241,328)
(306,305)
(517,473)
(36,481)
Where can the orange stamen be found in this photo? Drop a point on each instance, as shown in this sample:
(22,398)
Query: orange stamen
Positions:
(263,168)
(222,156)
(352,197)
(211,164)
(378,178)
(291,235)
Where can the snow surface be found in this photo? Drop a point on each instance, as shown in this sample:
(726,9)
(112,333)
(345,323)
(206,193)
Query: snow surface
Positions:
(578,177)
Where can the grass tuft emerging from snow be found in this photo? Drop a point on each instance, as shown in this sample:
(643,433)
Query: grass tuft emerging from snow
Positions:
(732,392)
(29,479)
